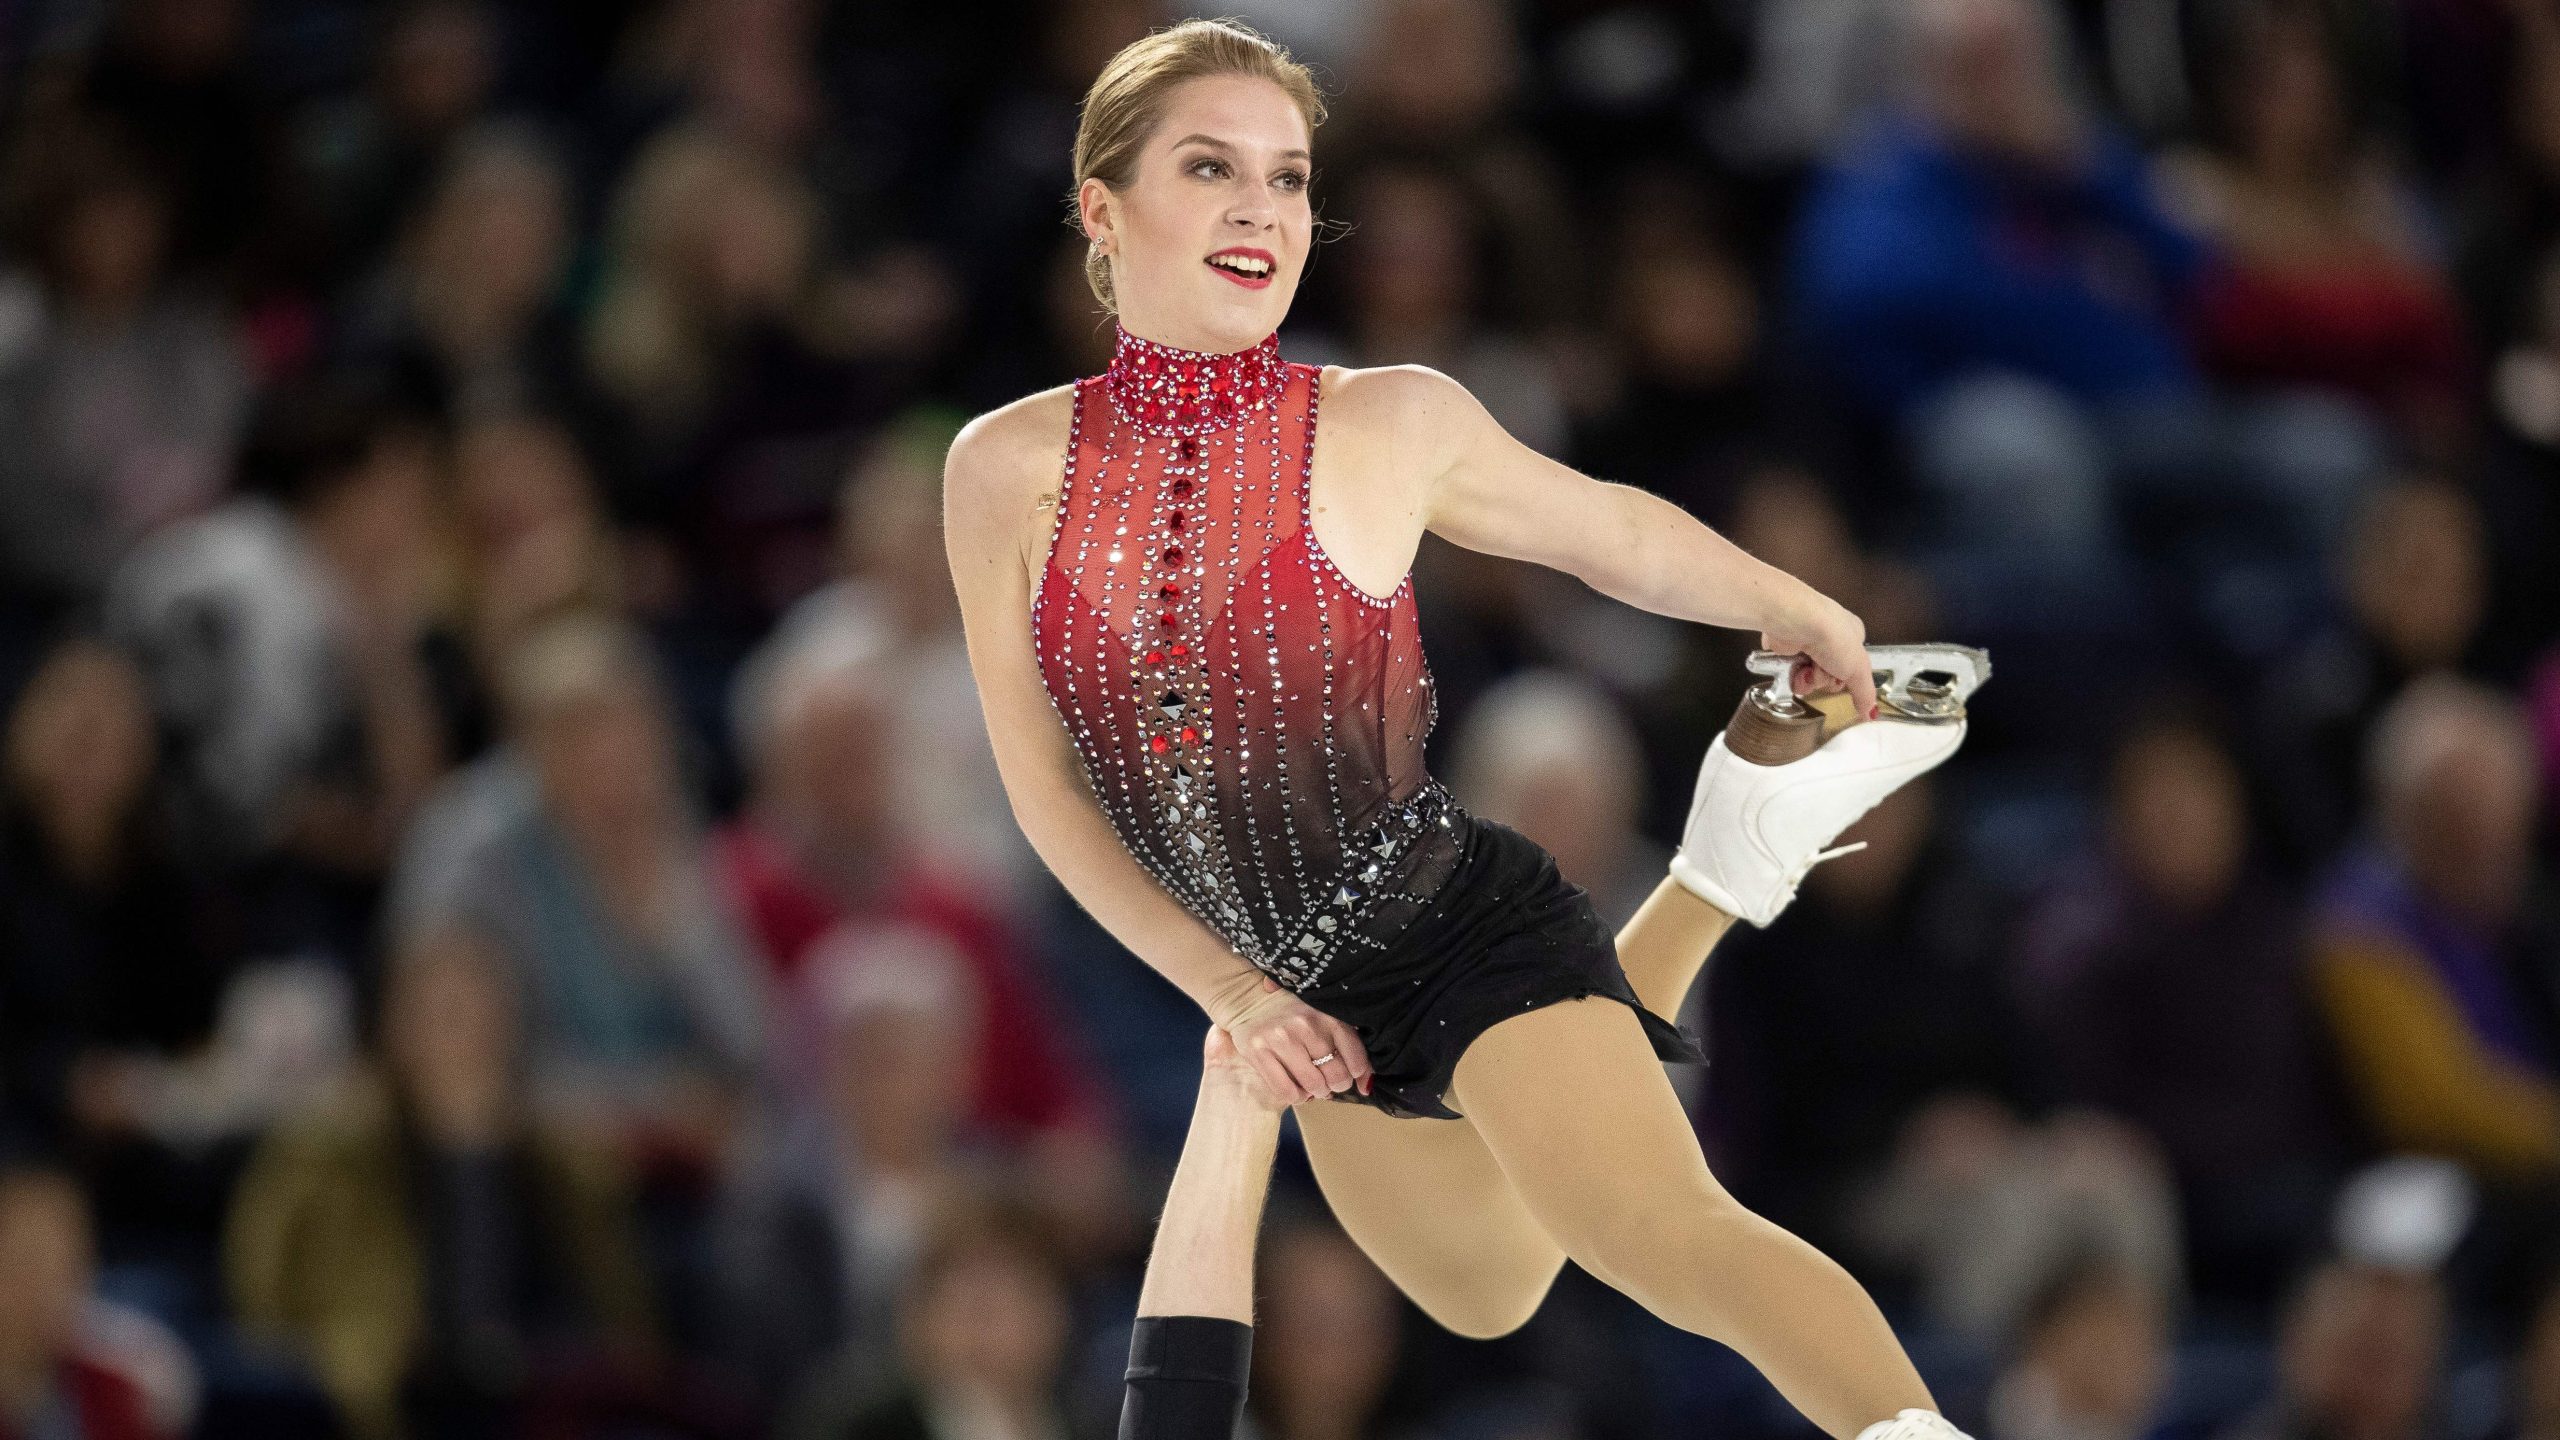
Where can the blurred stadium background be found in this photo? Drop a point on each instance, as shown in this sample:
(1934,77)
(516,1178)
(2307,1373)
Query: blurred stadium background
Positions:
(508,925)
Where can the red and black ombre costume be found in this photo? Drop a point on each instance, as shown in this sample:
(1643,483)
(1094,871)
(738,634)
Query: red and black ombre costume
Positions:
(1252,723)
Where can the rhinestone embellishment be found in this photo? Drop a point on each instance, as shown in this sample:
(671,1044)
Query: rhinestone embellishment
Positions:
(1162,390)
(1242,712)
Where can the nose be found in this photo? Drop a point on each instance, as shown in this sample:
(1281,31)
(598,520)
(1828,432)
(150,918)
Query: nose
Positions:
(1255,209)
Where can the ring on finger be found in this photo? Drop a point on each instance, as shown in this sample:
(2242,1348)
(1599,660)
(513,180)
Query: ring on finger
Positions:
(1319,1060)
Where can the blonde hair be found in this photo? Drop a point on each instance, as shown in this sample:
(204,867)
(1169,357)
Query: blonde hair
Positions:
(1128,99)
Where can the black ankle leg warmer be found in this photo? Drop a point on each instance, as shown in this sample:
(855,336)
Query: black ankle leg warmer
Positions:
(1186,1378)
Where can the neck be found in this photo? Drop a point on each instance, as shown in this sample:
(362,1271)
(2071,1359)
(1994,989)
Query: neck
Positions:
(1167,390)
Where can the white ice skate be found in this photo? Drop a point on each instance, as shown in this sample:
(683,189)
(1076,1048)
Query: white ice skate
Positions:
(1773,792)
(1913,1425)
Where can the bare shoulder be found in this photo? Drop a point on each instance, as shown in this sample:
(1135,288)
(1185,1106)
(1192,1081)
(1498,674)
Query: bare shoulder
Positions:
(1393,395)
(1414,413)
(1000,480)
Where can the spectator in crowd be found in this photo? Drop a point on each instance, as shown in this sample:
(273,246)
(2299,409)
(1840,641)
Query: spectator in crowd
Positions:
(1906,280)
(2413,587)
(1417,264)
(535,541)
(1980,1205)
(950,799)
(2360,1352)
(102,955)
(1684,316)
(466,315)
(981,1334)
(2513,481)
(283,636)
(52,1386)
(2424,956)
(727,346)
(2167,984)
(1990,274)
(572,850)
(367,156)
(1437,82)
(1829,1032)
(1326,1341)
(124,386)
(2092,1360)
(825,1225)
(2327,282)
(1548,753)
(823,850)
(430,1244)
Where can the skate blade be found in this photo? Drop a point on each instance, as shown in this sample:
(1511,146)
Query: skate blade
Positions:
(1928,683)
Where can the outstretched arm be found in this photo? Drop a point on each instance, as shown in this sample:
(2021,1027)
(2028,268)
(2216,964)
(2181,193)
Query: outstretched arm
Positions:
(1475,485)
(1191,1350)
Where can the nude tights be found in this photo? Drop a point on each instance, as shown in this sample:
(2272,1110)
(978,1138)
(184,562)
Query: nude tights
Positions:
(1474,1218)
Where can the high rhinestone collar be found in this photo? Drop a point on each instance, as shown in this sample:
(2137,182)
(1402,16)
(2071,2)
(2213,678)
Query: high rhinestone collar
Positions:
(1166,391)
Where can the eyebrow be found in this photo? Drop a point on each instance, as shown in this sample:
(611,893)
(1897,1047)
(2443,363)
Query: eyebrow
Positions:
(1215,143)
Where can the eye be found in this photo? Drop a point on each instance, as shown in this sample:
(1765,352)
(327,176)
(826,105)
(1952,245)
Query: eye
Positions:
(1208,160)
(1293,180)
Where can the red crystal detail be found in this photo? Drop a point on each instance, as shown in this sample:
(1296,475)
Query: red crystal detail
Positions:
(1165,390)
(1173,554)
(1156,744)
(1166,620)
(1181,650)
(1169,591)
(1155,657)
(1181,488)
(1190,735)
(1173,521)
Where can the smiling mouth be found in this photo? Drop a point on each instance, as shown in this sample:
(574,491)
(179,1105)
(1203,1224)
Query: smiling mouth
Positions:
(1252,272)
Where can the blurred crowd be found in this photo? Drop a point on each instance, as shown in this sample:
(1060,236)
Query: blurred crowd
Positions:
(509,925)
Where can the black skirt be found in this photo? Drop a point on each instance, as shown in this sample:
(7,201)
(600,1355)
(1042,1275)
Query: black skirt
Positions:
(1504,933)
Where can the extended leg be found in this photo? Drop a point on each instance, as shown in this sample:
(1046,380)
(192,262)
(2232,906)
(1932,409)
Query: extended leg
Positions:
(1575,1108)
(1426,1201)
(1664,945)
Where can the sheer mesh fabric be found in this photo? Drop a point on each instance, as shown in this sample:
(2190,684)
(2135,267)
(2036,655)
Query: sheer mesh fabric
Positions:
(1249,719)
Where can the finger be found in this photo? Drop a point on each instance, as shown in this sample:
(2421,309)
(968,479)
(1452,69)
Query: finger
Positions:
(1323,1037)
(1275,1078)
(1354,1054)
(1862,683)
(1297,1061)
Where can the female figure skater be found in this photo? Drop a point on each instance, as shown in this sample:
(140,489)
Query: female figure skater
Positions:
(1208,700)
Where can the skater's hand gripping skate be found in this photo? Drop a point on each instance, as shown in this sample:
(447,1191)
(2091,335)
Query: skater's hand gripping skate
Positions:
(1300,1052)
(1834,644)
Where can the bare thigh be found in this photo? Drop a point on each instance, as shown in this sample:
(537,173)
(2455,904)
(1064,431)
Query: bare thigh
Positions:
(1427,1202)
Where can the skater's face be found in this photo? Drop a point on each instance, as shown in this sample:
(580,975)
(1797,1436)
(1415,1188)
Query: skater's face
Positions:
(1208,240)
